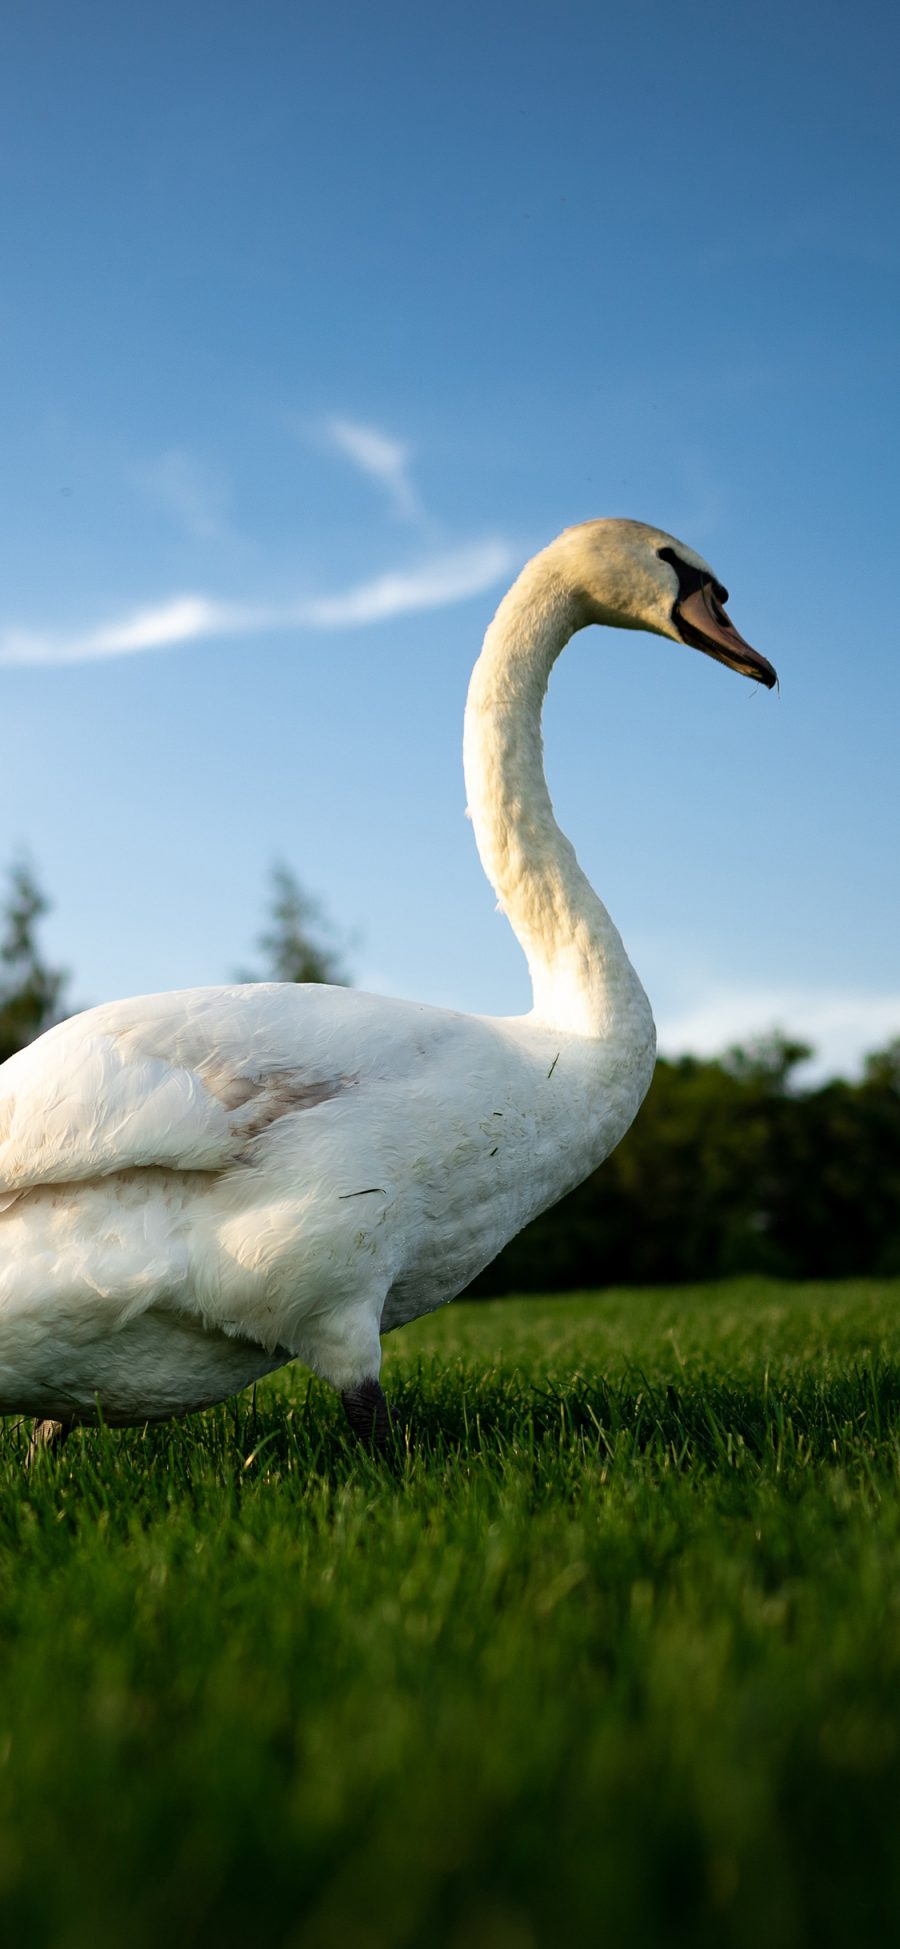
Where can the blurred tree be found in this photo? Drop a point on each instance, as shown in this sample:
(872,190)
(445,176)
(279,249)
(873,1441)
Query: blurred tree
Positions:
(30,992)
(731,1167)
(300,942)
(882,1068)
(768,1063)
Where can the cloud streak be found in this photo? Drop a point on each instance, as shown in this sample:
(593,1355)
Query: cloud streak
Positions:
(382,459)
(442,580)
(190,491)
(433,584)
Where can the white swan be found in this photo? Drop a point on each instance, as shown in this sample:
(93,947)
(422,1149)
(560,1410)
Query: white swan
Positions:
(197,1187)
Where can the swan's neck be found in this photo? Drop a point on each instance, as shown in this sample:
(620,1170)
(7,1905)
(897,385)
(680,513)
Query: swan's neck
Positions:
(582,978)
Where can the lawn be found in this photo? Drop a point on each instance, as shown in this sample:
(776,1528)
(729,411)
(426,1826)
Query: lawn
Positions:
(610,1654)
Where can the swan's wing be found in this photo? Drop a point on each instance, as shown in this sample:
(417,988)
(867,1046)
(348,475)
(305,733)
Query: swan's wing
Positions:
(183,1080)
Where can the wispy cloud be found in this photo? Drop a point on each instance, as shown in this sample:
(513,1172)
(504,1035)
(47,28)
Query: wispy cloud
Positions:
(433,584)
(842,1025)
(190,490)
(383,459)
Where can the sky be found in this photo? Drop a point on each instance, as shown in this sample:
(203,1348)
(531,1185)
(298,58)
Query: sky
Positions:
(314,324)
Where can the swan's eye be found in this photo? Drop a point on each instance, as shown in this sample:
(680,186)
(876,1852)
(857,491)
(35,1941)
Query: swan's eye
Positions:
(690,579)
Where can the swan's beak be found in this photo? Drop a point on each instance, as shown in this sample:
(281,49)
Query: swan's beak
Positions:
(705,626)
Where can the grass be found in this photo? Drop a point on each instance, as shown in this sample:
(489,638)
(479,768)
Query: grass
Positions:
(612,1654)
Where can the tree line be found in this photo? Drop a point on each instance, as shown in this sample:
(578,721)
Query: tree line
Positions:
(732,1166)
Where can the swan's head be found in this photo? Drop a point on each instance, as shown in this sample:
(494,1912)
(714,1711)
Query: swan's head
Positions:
(634,577)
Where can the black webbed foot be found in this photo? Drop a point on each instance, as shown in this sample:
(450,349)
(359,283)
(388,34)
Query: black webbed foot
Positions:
(369,1415)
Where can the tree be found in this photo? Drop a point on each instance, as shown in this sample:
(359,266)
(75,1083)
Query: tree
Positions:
(300,942)
(731,1167)
(30,991)
(882,1069)
(768,1062)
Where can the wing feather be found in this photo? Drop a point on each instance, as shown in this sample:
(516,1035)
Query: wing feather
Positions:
(182,1081)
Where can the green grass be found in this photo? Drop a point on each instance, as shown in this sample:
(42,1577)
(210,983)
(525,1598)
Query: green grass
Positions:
(612,1655)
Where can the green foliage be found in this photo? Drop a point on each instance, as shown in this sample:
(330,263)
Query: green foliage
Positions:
(609,1654)
(31,992)
(883,1068)
(731,1168)
(299,943)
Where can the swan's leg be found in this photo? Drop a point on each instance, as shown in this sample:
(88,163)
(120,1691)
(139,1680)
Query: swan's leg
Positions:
(46,1434)
(368,1414)
(344,1348)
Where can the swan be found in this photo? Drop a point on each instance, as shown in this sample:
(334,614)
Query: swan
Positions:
(199,1186)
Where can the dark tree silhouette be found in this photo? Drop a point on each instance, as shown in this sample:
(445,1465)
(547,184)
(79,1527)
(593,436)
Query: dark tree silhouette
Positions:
(300,942)
(732,1166)
(31,992)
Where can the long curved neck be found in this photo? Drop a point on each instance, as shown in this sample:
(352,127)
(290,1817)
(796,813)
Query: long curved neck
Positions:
(582,978)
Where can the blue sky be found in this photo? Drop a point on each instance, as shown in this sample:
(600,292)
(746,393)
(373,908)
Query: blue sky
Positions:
(314,323)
